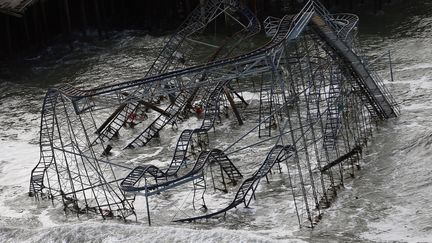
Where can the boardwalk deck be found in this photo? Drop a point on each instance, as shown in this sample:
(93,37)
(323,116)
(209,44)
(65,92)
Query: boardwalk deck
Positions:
(15,7)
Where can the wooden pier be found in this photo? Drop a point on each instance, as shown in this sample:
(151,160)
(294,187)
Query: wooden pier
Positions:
(32,24)
(15,8)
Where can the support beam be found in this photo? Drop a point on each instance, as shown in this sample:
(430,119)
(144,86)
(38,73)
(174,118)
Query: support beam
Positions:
(68,23)
(26,29)
(120,109)
(154,107)
(8,35)
(84,24)
(357,149)
(112,116)
(44,25)
(233,106)
(239,96)
(98,18)
(150,105)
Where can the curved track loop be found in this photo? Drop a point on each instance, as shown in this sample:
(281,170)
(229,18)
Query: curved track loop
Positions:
(247,189)
(163,179)
(112,203)
(180,154)
(211,111)
(46,140)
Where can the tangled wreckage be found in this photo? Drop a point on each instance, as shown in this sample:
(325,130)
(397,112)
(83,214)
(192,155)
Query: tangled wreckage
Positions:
(307,100)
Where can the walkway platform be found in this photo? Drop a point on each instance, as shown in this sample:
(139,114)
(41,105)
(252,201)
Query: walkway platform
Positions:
(15,7)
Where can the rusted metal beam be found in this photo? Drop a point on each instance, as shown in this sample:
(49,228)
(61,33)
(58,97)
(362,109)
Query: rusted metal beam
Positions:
(154,107)
(112,116)
(150,105)
(233,106)
(355,150)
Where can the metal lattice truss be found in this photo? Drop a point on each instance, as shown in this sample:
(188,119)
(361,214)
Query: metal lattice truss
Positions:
(318,100)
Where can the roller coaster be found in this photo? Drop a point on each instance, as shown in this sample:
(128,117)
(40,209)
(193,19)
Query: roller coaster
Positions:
(305,102)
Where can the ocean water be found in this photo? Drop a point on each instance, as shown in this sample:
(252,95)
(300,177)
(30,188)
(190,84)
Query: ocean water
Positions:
(389,200)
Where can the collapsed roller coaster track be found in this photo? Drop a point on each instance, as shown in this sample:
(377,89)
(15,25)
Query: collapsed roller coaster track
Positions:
(318,100)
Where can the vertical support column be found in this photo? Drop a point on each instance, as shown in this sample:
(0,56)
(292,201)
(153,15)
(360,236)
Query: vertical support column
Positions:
(346,131)
(68,179)
(298,181)
(303,132)
(44,25)
(356,111)
(8,35)
(68,23)
(335,109)
(366,126)
(302,193)
(290,179)
(83,17)
(98,18)
(26,29)
(75,158)
(147,203)
(312,99)
(103,14)
(233,106)
(262,117)
(391,65)
(227,17)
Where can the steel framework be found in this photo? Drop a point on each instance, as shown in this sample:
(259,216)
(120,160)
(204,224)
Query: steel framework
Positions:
(318,101)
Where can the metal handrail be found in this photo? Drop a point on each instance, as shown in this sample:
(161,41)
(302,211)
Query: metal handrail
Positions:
(378,80)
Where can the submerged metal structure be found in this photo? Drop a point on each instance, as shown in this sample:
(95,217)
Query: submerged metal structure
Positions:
(314,104)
